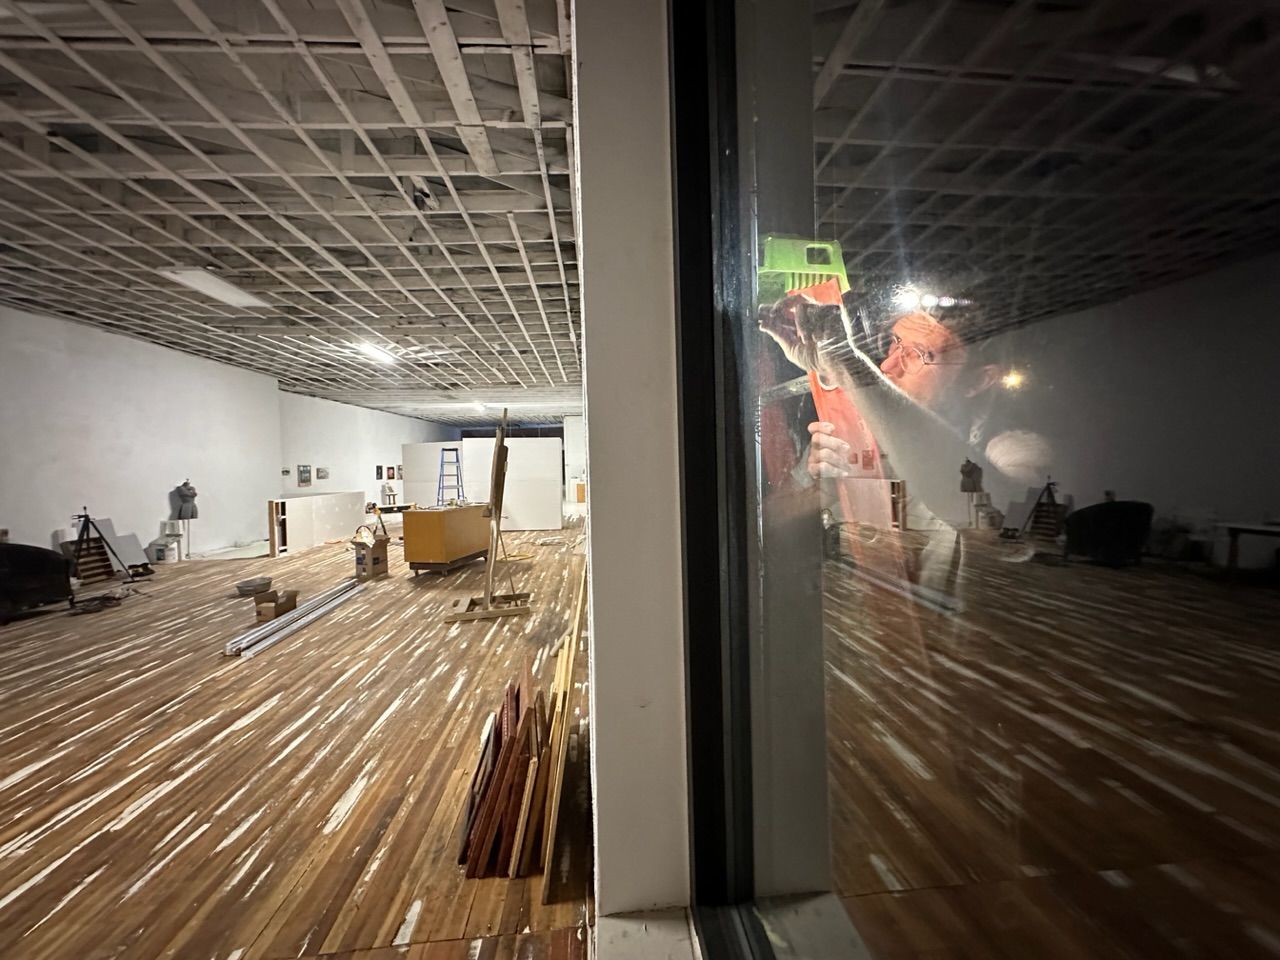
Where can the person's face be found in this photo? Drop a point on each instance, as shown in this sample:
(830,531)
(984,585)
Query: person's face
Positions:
(924,359)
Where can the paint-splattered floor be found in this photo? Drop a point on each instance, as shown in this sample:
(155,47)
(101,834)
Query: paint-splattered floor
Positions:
(160,800)
(1080,762)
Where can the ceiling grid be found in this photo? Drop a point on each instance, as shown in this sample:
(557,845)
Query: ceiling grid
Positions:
(394,175)
(389,178)
(1031,158)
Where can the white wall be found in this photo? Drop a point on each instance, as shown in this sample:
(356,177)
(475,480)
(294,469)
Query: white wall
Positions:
(350,441)
(628,294)
(88,417)
(1170,396)
(575,449)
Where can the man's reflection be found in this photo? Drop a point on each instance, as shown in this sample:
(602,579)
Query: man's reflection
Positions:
(925,361)
(931,403)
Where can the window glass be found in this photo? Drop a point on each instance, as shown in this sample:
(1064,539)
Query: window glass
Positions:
(1013,372)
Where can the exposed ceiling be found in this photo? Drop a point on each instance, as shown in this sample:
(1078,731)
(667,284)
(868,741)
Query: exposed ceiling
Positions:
(397,172)
(393,173)
(1038,157)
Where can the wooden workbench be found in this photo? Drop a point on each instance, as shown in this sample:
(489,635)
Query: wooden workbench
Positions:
(442,539)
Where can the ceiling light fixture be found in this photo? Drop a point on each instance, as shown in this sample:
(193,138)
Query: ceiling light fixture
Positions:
(375,352)
(1013,380)
(907,297)
(212,285)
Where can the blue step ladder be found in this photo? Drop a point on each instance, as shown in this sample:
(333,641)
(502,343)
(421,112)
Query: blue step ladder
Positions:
(449,480)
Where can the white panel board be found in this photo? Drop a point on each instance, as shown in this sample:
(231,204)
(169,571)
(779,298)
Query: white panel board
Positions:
(477,461)
(336,515)
(535,487)
(299,524)
(128,547)
(311,519)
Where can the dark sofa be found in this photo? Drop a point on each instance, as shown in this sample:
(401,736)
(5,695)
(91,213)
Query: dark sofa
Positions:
(31,576)
(1114,532)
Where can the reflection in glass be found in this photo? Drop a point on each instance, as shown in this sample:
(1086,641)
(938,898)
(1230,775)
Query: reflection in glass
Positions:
(1033,352)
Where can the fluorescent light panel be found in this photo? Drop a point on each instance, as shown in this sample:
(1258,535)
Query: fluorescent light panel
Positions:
(375,352)
(212,285)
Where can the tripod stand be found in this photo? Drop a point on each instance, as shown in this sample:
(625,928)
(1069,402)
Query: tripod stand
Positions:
(87,524)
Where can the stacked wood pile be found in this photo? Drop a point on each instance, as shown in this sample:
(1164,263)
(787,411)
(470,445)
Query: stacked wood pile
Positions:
(513,805)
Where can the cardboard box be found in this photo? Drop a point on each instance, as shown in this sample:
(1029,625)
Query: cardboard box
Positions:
(371,559)
(272,603)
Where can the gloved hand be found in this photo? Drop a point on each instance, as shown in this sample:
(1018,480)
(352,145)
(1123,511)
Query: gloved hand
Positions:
(812,335)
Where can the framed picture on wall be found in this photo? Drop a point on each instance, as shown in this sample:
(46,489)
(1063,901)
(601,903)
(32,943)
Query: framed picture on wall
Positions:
(400,471)
(391,473)
(377,472)
(322,473)
(304,474)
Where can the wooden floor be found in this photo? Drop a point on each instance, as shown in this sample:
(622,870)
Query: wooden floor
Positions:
(1082,762)
(160,800)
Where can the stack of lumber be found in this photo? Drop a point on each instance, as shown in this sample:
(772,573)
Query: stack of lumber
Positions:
(558,746)
(513,805)
(500,835)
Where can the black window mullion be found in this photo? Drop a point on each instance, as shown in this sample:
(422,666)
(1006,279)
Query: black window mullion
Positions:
(712,292)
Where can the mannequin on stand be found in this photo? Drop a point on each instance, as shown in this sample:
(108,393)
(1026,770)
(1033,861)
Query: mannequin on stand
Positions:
(187,510)
(971,486)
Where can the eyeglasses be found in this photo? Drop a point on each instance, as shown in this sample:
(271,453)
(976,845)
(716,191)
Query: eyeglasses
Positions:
(913,357)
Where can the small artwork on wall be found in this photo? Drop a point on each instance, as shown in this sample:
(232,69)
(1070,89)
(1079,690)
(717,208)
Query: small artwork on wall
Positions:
(322,473)
(304,474)
(391,473)
(377,472)
(400,471)
(285,472)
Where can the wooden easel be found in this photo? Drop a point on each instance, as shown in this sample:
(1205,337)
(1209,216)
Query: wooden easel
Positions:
(491,604)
